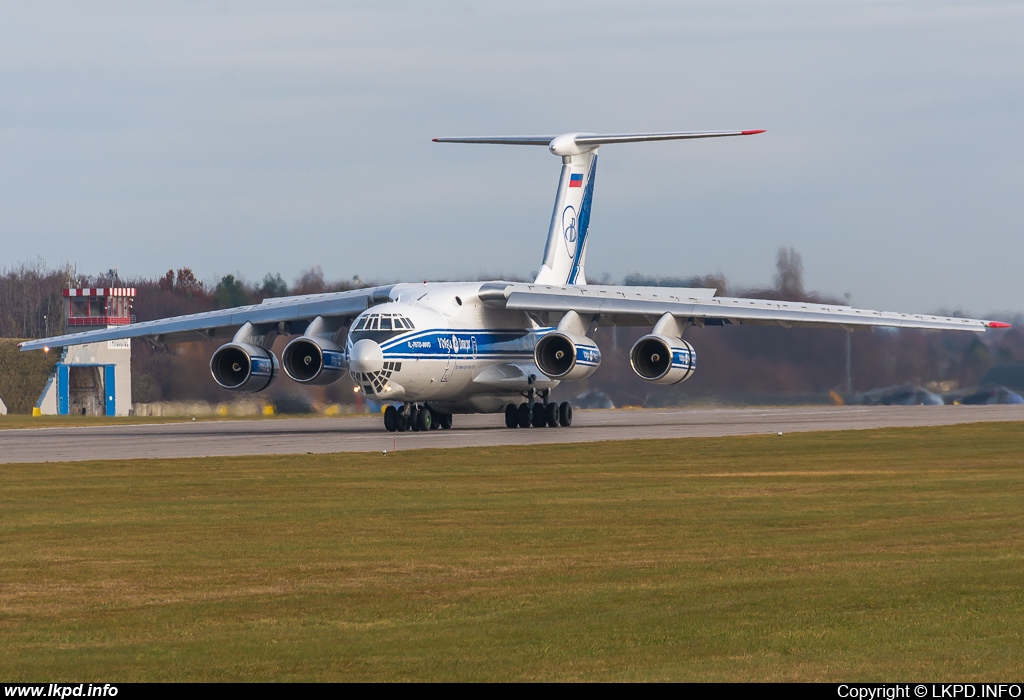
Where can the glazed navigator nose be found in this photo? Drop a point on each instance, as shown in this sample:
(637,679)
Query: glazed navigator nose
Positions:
(366,356)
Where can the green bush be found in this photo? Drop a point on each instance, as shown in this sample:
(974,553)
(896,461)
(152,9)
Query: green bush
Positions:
(23,375)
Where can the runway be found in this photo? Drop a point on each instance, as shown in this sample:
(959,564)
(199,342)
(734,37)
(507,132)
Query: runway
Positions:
(325,435)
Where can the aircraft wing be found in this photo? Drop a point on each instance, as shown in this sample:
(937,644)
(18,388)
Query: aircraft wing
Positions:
(644,305)
(298,310)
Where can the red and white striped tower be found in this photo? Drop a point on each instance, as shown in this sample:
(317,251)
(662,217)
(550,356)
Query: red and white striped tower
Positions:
(98,306)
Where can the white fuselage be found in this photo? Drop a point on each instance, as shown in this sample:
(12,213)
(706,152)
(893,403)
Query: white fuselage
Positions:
(438,343)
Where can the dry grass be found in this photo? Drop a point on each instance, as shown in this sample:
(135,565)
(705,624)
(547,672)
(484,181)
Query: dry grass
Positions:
(888,554)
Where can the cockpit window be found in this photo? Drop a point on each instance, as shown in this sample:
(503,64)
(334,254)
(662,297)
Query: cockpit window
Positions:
(380,327)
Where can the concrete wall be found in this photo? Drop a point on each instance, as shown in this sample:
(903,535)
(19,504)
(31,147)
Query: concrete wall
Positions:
(47,404)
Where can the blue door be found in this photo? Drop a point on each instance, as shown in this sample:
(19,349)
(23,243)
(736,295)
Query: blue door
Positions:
(63,389)
(108,387)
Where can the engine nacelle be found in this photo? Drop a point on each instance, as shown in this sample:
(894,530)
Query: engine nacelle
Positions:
(314,361)
(565,355)
(244,367)
(660,359)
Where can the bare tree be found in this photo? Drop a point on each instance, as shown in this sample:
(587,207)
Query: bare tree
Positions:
(789,276)
(31,304)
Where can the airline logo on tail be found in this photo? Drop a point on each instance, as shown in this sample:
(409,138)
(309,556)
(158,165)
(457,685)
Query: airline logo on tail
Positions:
(569,230)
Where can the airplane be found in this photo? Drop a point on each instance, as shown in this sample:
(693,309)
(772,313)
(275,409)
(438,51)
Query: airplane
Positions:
(429,351)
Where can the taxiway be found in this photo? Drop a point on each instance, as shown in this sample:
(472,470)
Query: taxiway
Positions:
(323,435)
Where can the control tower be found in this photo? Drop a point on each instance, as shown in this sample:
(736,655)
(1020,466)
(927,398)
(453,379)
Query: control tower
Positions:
(94,379)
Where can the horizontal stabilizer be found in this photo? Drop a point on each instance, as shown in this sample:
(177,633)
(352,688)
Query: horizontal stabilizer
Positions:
(594,139)
(507,140)
(598,139)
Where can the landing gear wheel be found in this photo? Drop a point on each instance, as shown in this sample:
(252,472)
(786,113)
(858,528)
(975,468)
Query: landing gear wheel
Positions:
(391,419)
(565,414)
(539,417)
(445,421)
(435,419)
(414,419)
(511,416)
(425,419)
(401,420)
(551,414)
(525,415)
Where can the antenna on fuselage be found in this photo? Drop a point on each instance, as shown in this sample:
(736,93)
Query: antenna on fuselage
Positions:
(566,248)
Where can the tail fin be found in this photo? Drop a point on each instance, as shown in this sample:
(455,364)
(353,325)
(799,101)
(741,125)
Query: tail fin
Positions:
(566,249)
(567,234)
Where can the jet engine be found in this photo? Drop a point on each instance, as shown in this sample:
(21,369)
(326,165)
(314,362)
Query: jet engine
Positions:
(244,367)
(314,361)
(660,359)
(565,355)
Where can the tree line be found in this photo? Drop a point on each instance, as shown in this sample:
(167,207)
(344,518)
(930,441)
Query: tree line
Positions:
(734,362)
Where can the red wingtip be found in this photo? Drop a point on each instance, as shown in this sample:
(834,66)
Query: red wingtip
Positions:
(998,324)
(434,140)
(748,132)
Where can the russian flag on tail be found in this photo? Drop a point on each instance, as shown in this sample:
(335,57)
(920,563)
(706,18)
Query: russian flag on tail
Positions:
(576,180)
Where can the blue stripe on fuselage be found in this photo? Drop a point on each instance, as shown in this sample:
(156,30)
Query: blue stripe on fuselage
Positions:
(442,343)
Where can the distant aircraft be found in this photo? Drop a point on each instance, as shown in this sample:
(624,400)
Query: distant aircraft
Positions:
(427,351)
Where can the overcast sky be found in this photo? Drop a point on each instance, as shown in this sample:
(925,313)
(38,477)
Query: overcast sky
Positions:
(254,137)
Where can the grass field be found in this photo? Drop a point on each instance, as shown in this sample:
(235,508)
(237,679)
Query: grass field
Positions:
(863,555)
(19,422)
(13,422)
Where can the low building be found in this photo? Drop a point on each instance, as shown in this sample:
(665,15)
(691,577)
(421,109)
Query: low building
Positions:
(94,379)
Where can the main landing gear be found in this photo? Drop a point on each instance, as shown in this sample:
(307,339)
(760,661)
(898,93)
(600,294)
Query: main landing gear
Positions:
(537,414)
(416,418)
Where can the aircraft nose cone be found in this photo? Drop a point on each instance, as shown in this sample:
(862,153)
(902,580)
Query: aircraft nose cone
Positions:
(366,356)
